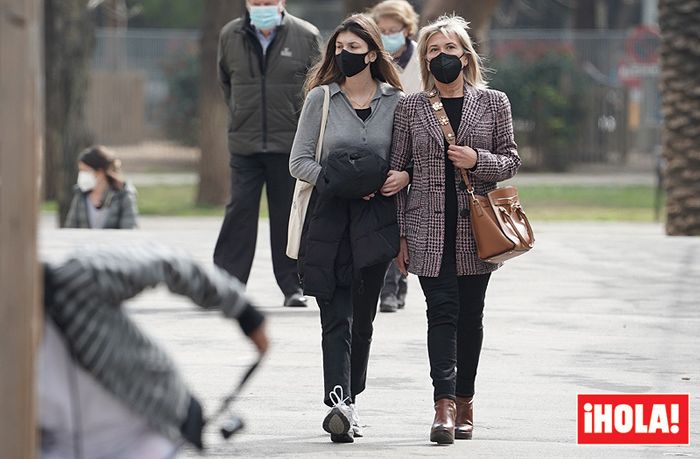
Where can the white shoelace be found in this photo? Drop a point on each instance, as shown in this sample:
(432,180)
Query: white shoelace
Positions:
(336,396)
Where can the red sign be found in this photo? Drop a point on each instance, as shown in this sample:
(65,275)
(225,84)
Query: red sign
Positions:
(641,57)
(633,419)
(643,44)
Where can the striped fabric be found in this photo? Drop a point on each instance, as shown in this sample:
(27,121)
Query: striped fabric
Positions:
(84,300)
(487,127)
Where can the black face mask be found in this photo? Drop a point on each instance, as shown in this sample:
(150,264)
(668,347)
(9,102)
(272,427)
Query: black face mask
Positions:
(446,67)
(350,63)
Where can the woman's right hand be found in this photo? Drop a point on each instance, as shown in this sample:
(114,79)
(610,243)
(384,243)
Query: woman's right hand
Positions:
(402,258)
(395,182)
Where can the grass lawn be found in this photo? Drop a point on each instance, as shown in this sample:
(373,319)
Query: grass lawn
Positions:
(171,200)
(554,203)
(174,200)
(595,203)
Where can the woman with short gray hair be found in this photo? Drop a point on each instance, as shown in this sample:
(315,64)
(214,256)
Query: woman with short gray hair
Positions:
(398,23)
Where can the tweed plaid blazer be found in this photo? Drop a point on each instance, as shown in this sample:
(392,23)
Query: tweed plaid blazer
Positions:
(487,127)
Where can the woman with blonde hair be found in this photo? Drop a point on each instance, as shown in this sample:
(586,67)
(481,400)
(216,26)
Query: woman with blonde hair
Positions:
(350,231)
(456,124)
(101,198)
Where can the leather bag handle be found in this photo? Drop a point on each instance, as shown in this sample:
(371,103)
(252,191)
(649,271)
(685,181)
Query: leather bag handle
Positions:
(444,122)
(530,233)
(514,227)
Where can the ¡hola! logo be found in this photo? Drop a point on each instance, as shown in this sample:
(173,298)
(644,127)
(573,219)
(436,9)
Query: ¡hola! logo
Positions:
(633,419)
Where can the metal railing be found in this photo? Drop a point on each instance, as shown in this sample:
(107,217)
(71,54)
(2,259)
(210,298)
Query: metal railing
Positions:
(616,75)
(617,69)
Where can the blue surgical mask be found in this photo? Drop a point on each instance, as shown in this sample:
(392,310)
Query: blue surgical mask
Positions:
(265,17)
(393,42)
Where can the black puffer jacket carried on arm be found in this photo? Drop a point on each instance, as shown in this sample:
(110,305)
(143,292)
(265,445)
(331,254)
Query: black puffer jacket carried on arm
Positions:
(344,234)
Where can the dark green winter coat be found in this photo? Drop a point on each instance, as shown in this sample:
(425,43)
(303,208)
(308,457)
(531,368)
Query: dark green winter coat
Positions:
(265,92)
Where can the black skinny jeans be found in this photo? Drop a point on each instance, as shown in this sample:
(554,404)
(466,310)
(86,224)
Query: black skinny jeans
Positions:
(455,329)
(346,324)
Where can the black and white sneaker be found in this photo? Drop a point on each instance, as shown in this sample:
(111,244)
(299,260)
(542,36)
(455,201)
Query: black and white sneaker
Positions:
(357,431)
(338,421)
(342,438)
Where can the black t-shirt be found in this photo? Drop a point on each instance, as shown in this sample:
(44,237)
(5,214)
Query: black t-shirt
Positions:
(363,113)
(453,108)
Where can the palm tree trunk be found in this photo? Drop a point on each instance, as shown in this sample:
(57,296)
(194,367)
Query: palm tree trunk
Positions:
(680,80)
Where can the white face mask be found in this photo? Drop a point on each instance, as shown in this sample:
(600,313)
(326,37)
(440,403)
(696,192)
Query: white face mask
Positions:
(86,181)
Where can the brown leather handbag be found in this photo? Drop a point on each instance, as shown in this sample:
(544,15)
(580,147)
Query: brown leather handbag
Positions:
(499,224)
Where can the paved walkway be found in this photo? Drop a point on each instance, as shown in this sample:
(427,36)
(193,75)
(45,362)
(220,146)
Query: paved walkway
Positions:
(594,308)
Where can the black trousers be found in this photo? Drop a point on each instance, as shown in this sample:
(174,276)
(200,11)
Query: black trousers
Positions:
(455,329)
(395,283)
(346,330)
(235,247)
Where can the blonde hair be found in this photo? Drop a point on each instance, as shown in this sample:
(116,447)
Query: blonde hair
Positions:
(400,10)
(457,26)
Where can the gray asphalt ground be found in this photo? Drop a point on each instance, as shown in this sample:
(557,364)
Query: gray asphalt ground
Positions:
(594,308)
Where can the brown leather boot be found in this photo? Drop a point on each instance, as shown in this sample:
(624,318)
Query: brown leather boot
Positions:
(464,423)
(443,430)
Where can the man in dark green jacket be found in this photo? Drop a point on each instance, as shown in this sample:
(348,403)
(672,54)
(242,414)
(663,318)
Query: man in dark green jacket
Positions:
(263,60)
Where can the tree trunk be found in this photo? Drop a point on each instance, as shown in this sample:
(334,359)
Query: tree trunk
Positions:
(116,14)
(20,282)
(358,6)
(477,12)
(213,113)
(116,22)
(69,43)
(680,80)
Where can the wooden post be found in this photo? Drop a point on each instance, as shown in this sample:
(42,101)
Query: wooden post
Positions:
(21,116)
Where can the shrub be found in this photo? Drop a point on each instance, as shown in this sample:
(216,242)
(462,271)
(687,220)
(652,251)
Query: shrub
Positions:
(546,91)
(181,116)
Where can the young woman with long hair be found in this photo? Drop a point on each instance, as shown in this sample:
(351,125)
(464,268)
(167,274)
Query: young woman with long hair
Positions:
(343,258)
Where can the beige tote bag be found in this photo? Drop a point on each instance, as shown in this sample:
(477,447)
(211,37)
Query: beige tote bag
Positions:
(302,190)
